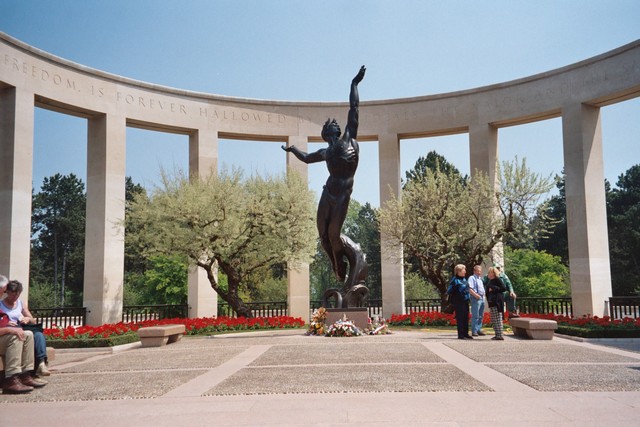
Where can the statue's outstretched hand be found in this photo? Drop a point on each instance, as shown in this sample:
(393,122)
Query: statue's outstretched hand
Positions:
(287,149)
(358,78)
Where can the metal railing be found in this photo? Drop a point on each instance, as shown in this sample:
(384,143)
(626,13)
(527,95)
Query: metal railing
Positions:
(258,309)
(557,306)
(60,317)
(427,304)
(374,307)
(138,313)
(621,307)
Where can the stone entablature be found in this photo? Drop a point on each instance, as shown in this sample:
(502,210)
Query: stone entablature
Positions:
(30,77)
(72,88)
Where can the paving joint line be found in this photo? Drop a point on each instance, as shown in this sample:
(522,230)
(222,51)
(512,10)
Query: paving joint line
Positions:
(493,379)
(205,382)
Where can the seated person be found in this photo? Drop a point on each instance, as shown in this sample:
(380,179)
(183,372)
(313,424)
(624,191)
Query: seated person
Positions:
(16,345)
(19,315)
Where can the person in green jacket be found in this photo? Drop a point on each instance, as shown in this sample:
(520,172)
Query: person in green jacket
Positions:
(509,295)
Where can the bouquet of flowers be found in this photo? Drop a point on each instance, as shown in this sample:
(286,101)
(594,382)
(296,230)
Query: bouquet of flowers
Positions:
(377,326)
(343,328)
(317,326)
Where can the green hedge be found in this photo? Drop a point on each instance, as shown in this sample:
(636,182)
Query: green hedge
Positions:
(578,331)
(127,338)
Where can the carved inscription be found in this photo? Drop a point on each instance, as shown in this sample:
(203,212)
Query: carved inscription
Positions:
(151,103)
(38,73)
(216,114)
(145,102)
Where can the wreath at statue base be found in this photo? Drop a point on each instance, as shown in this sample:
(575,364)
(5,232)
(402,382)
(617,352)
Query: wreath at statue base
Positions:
(328,322)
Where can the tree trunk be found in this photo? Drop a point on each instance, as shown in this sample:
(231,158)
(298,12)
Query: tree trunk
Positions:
(231,297)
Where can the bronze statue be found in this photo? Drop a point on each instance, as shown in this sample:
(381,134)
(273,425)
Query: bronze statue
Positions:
(342,156)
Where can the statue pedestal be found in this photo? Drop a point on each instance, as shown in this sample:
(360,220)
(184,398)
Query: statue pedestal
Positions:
(358,315)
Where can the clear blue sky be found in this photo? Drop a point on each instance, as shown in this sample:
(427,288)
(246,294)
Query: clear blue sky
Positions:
(310,50)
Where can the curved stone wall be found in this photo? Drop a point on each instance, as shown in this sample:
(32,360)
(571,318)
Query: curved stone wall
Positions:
(30,77)
(72,88)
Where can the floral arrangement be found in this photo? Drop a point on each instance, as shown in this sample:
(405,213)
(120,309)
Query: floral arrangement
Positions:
(317,325)
(343,328)
(377,326)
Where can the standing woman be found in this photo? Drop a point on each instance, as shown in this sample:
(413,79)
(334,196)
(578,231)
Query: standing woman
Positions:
(495,298)
(458,291)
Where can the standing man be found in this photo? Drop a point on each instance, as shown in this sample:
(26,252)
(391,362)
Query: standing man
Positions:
(476,289)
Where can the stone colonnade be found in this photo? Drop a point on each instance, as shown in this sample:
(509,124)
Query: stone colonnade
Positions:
(32,78)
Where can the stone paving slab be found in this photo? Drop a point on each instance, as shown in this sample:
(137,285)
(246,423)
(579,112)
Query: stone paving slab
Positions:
(532,351)
(346,353)
(574,377)
(64,358)
(174,356)
(348,379)
(105,386)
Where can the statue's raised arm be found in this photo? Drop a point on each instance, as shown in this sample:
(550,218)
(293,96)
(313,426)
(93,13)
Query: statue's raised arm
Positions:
(351,130)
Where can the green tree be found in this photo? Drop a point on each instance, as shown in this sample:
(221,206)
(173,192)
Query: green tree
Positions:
(321,276)
(415,287)
(623,208)
(43,295)
(165,281)
(441,220)
(134,262)
(239,226)
(363,227)
(537,274)
(271,288)
(58,227)
(554,219)
(432,162)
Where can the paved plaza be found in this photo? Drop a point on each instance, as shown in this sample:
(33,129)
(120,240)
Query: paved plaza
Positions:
(286,378)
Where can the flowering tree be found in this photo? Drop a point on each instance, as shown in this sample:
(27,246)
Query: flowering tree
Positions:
(229,223)
(443,219)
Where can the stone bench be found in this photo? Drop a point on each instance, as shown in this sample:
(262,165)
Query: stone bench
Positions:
(537,329)
(157,336)
(51,355)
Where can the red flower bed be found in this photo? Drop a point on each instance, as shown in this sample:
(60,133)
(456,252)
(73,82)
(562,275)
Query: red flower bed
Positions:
(593,322)
(436,318)
(193,326)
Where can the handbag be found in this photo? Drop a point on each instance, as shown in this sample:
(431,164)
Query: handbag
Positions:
(36,327)
(449,308)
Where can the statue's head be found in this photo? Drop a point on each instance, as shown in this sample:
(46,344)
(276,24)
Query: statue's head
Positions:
(330,130)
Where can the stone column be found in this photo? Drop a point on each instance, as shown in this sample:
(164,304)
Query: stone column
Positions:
(16,176)
(298,286)
(483,150)
(483,156)
(390,258)
(203,161)
(104,240)
(586,210)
